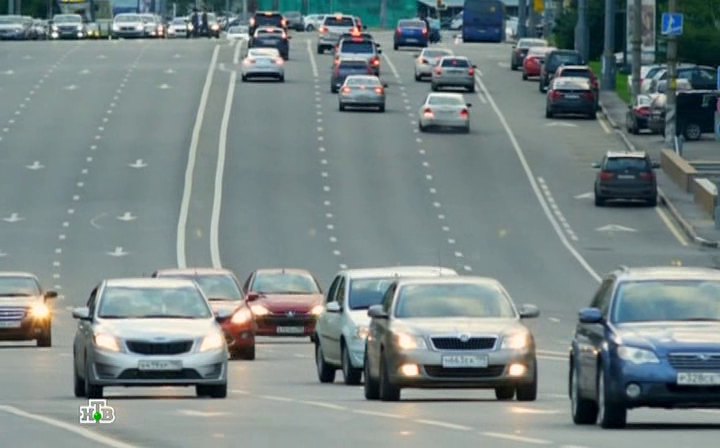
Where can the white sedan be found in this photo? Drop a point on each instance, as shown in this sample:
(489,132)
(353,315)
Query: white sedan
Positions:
(238,32)
(263,63)
(445,110)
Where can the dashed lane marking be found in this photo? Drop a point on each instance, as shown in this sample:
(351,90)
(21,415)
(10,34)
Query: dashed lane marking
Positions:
(556,210)
(313,63)
(516,438)
(444,425)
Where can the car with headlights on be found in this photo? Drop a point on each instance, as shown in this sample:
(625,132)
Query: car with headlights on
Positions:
(284,302)
(148,332)
(443,111)
(24,311)
(342,329)
(650,338)
(154,26)
(224,293)
(454,332)
(267,37)
(453,71)
(179,27)
(263,63)
(67,26)
(362,91)
(127,25)
(236,32)
(574,96)
(13,28)
(426,60)
(520,50)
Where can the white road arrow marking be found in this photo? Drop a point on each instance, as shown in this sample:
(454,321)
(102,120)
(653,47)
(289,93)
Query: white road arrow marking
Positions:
(127,216)
(615,228)
(169,71)
(35,166)
(164,86)
(101,56)
(585,196)
(13,218)
(8,72)
(118,252)
(562,124)
(27,57)
(138,164)
(177,56)
(71,87)
(84,72)
(94,221)
(2,254)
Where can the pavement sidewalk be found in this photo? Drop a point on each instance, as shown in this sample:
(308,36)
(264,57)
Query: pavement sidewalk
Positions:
(694,221)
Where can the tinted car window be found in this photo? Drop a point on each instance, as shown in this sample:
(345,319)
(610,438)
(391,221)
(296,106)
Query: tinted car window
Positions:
(558,59)
(367,292)
(626,163)
(284,283)
(354,64)
(373,82)
(18,286)
(452,300)
(357,47)
(455,63)
(581,73)
(274,19)
(445,101)
(667,300)
(411,24)
(343,21)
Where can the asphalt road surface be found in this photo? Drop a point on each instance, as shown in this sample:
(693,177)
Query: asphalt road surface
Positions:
(121,157)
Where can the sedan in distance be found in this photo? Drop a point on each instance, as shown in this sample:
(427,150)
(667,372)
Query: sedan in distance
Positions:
(650,338)
(267,37)
(411,33)
(225,296)
(453,71)
(178,27)
(520,50)
(445,110)
(263,63)
(24,311)
(285,302)
(456,332)
(533,61)
(427,59)
(570,96)
(148,332)
(365,91)
(346,67)
(638,114)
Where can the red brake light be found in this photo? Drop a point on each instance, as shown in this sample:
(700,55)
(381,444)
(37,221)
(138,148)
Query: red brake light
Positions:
(648,175)
(425,31)
(643,111)
(252,21)
(379,90)
(606,175)
(471,71)
(464,113)
(588,95)
(376,61)
(438,71)
(398,31)
(279,61)
(555,95)
(428,113)
(323,30)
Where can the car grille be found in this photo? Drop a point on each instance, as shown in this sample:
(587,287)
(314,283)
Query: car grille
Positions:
(184,374)
(454,343)
(159,348)
(464,372)
(12,313)
(695,361)
(283,319)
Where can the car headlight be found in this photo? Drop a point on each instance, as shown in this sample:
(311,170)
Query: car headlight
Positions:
(55,28)
(409,342)
(140,27)
(516,341)
(317,310)
(79,27)
(213,341)
(242,316)
(40,311)
(190,27)
(116,27)
(259,310)
(637,355)
(106,342)
(361,332)
(215,27)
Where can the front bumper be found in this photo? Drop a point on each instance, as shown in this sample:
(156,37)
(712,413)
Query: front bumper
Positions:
(67,34)
(362,101)
(239,336)
(28,329)
(283,325)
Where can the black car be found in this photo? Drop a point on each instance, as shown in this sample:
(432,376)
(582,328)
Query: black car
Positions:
(346,67)
(695,113)
(570,96)
(555,59)
(267,19)
(270,37)
(626,175)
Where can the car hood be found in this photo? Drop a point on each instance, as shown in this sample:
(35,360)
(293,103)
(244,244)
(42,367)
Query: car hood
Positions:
(665,337)
(298,303)
(225,305)
(158,328)
(456,326)
(129,24)
(20,301)
(360,318)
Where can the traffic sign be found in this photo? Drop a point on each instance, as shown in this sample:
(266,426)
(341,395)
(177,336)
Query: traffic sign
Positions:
(672,24)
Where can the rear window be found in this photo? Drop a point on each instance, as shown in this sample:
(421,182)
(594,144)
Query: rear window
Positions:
(364,81)
(353,64)
(436,53)
(565,58)
(580,73)
(411,24)
(342,21)
(626,163)
(529,43)
(357,47)
(455,63)
(571,84)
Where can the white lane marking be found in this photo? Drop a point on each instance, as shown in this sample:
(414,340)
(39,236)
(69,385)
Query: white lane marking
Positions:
(118,252)
(276,398)
(392,68)
(73,428)
(239,391)
(14,217)
(219,171)
(515,438)
(604,125)
(444,425)
(536,411)
(312,59)
(192,155)
(324,405)
(127,216)
(533,184)
(553,319)
(480,96)
(379,414)
(615,228)
(236,53)
(556,209)
(193,413)
(671,226)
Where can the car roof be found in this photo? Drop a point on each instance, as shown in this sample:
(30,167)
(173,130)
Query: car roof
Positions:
(283,271)
(455,56)
(557,50)
(194,271)
(668,273)
(16,274)
(400,271)
(458,280)
(146,282)
(574,67)
(626,154)
(446,95)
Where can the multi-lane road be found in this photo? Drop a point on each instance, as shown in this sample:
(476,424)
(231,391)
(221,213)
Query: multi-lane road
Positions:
(120,157)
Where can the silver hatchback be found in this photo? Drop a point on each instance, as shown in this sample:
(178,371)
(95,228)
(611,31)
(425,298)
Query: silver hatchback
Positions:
(427,59)
(444,110)
(453,71)
(362,91)
(148,332)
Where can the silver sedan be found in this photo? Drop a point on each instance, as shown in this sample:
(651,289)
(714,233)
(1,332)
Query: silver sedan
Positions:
(427,59)
(148,332)
(445,110)
(461,332)
(453,71)
(362,91)
(263,63)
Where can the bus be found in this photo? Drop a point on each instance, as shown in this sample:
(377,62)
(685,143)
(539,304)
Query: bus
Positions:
(483,21)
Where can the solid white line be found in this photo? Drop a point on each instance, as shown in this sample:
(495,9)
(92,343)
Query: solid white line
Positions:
(481,97)
(187,190)
(324,405)
(82,432)
(551,358)
(379,414)
(391,65)
(534,185)
(276,398)
(312,58)
(445,425)
(673,229)
(236,54)
(531,440)
(604,125)
(220,169)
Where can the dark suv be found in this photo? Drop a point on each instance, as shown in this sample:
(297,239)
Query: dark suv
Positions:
(267,18)
(626,175)
(555,59)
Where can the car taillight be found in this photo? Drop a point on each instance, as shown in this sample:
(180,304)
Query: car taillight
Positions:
(283,22)
(464,113)
(471,71)
(376,61)
(425,31)
(346,90)
(428,113)
(251,61)
(279,61)
(643,111)
(398,31)
(252,21)
(648,175)
(323,30)
(588,96)
(606,175)
(555,95)
(379,90)
(438,71)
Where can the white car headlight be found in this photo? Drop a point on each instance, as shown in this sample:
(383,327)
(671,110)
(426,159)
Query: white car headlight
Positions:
(40,311)
(637,355)
(361,332)
(242,316)
(140,27)
(317,310)
(516,341)
(55,28)
(107,342)
(116,27)
(259,310)
(214,341)
(79,27)
(409,342)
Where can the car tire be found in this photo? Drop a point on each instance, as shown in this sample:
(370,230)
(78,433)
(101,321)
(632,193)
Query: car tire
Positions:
(434,87)
(248,353)
(549,113)
(341,108)
(692,131)
(528,391)
(421,127)
(325,372)
(309,28)
(599,201)
(513,67)
(243,78)
(611,415)
(92,391)
(505,393)
(78,382)
(219,391)
(652,202)
(395,47)
(524,76)
(333,89)
(381,108)
(351,375)
(45,339)
(417,77)
(584,412)
(388,391)
(371,387)
(471,89)
(320,50)
(465,130)
(281,79)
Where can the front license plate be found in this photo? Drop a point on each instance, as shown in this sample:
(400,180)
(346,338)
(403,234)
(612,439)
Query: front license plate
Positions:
(290,330)
(11,324)
(159,364)
(698,379)
(457,361)
(626,176)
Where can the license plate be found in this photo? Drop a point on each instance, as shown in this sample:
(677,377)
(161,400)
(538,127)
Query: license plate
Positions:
(411,39)
(698,379)
(159,364)
(626,176)
(290,330)
(11,324)
(572,97)
(457,361)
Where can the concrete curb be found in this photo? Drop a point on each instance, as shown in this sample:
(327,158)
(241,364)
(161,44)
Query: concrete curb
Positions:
(686,226)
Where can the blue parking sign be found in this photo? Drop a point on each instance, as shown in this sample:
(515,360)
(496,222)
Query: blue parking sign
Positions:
(672,24)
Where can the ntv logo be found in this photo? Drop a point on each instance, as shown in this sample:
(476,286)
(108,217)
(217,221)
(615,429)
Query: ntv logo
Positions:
(96,411)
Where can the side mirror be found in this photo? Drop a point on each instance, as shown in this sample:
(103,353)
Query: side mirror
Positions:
(529,312)
(468,105)
(385,85)
(252,296)
(416,55)
(590,316)
(333,307)
(656,165)
(82,313)
(377,312)
(596,165)
(223,315)
(51,295)
(379,51)
(474,66)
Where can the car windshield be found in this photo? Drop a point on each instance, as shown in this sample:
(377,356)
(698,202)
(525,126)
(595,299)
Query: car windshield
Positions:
(453,300)
(146,303)
(339,21)
(411,24)
(436,53)
(367,292)
(121,19)
(667,300)
(626,164)
(357,47)
(284,283)
(445,101)
(529,43)
(455,63)
(357,81)
(216,287)
(67,19)
(179,22)
(9,20)
(18,287)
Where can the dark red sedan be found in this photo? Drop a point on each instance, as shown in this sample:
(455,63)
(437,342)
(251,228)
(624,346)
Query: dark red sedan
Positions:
(285,302)
(222,290)
(532,64)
